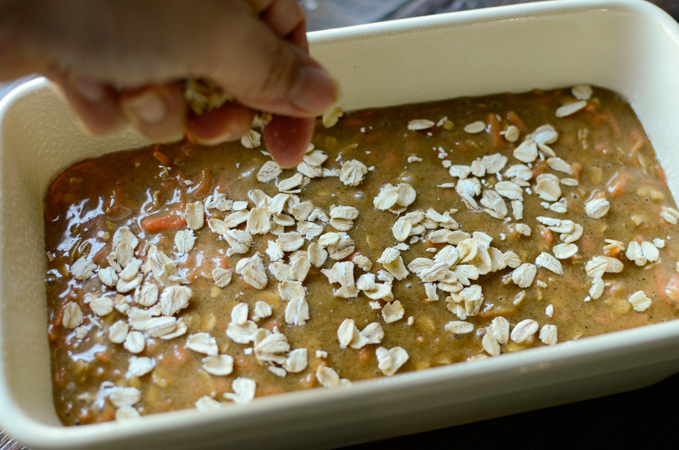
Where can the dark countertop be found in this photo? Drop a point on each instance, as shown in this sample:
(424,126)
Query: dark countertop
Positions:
(645,418)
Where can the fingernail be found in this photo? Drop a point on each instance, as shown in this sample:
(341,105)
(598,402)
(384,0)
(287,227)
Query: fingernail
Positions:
(314,89)
(216,140)
(148,108)
(208,140)
(92,91)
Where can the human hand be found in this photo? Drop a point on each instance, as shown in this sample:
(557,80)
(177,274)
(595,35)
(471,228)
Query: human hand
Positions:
(118,61)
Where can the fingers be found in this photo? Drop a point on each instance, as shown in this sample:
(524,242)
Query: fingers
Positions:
(285,18)
(226,123)
(298,36)
(280,78)
(271,73)
(287,139)
(255,50)
(95,104)
(159,111)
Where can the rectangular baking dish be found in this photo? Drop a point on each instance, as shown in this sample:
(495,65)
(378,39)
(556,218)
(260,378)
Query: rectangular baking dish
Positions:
(629,46)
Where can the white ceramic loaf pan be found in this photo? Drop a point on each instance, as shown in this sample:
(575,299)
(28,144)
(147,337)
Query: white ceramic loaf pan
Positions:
(628,46)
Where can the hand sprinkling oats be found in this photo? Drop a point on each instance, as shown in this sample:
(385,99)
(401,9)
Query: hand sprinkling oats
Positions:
(238,57)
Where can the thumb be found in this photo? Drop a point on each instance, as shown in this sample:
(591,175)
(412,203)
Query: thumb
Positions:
(271,74)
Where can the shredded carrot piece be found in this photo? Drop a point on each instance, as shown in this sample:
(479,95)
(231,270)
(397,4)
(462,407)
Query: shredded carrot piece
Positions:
(612,251)
(576,168)
(205,186)
(162,158)
(638,145)
(618,184)
(515,120)
(547,236)
(173,221)
(495,135)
